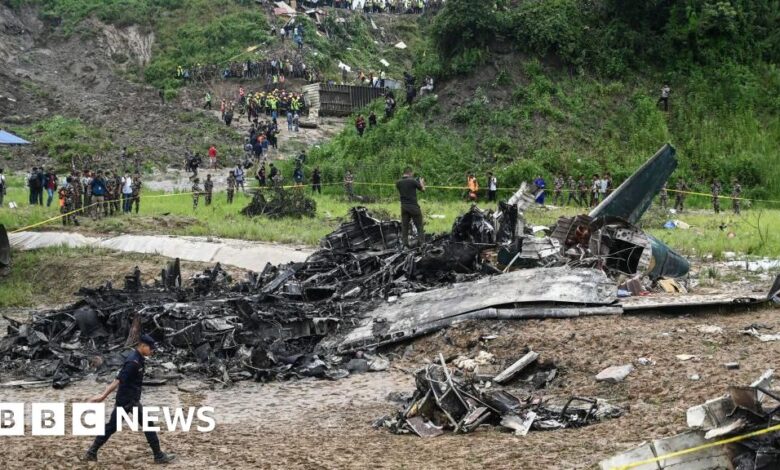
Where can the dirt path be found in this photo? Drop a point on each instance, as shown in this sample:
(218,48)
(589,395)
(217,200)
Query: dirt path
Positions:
(238,253)
(322,424)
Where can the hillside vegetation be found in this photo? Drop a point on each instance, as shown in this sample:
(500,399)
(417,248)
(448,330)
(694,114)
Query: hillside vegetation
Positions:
(522,87)
(540,87)
(190,32)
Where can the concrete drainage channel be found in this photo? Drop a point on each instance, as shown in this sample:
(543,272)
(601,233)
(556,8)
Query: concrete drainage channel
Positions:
(239,253)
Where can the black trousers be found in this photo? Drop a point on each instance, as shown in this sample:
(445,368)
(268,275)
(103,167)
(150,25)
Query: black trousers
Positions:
(411,214)
(491,195)
(111,425)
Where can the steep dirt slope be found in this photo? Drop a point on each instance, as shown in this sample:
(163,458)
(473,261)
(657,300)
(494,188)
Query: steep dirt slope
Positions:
(83,76)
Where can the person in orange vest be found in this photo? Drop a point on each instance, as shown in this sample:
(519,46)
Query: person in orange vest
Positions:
(473,187)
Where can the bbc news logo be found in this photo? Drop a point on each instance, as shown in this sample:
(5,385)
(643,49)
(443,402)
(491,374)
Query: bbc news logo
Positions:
(89,419)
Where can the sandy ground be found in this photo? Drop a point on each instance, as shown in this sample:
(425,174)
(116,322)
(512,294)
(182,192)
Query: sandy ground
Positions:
(323,424)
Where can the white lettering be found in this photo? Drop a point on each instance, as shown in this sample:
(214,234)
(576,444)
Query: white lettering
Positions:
(205,415)
(89,419)
(48,419)
(178,417)
(11,419)
(150,422)
(131,420)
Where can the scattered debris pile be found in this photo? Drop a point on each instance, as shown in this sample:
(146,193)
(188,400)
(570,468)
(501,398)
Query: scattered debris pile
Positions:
(269,325)
(744,410)
(280,202)
(360,290)
(461,401)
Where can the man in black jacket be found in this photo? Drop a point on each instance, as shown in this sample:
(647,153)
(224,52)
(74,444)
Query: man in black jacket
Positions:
(129,381)
(410,210)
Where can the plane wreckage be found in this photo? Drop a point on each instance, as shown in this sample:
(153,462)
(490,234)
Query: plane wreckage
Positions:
(362,290)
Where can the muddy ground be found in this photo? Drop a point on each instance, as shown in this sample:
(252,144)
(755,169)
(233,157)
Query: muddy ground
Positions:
(324,424)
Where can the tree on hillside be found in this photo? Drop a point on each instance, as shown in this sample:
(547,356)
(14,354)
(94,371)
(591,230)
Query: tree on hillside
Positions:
(465,24)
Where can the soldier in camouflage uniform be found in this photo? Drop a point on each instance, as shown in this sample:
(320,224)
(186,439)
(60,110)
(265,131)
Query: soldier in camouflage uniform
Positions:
(558,190)
(715,189)
(136,194)
(572,185)
(584,189)
(69,193)
(195,192)
(117,193)
(664,197)
(78,194)
(208,187)
(86,188)
(736,193)
(679,196)
(231,186)
(110,190)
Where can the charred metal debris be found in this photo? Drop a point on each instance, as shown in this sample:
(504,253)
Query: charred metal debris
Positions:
(468,396)
(360,290)
(752,409)
(282,322)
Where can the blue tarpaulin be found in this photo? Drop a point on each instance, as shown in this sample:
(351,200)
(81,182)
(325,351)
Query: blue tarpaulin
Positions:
(6,138)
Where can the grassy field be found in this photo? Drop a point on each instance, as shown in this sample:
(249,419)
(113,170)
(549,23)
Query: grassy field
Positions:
(709,234)
(51,276)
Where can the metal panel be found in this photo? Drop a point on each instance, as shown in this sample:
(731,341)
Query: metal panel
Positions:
(343,100)
(412,315)
(632,198)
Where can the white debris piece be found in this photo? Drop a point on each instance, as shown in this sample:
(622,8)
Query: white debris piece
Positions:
(614,374)
(685,357)
(761,336)
(709,329)
(515,368)
(711,414)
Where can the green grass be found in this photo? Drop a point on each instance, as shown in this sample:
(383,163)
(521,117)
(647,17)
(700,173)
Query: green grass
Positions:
(64,138)
(528,119)
(173,214)
(33,279)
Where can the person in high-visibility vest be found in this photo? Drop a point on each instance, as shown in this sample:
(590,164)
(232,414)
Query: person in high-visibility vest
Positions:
(473,187)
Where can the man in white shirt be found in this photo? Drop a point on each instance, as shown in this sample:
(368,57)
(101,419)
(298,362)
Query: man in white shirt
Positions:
(492,186)
(127,192)
(603,184)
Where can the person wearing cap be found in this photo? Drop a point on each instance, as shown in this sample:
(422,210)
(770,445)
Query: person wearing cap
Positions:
(128,383)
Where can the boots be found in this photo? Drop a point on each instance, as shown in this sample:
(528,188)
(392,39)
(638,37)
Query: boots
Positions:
(163,458)
(91,454)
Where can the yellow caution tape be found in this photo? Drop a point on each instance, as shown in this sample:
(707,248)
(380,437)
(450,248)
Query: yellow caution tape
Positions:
(462,188)
(700,448)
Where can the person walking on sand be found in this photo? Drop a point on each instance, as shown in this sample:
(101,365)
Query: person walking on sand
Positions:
(128,384)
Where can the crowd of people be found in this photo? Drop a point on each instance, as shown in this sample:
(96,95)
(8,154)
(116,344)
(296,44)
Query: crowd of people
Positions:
(586,192)
(94,193)
(380,6)
(273,69)
(256,105)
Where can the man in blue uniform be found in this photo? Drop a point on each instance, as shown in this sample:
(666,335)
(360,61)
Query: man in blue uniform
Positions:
(129,382)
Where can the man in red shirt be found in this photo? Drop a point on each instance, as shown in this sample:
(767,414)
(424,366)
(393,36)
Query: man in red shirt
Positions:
(213,157)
